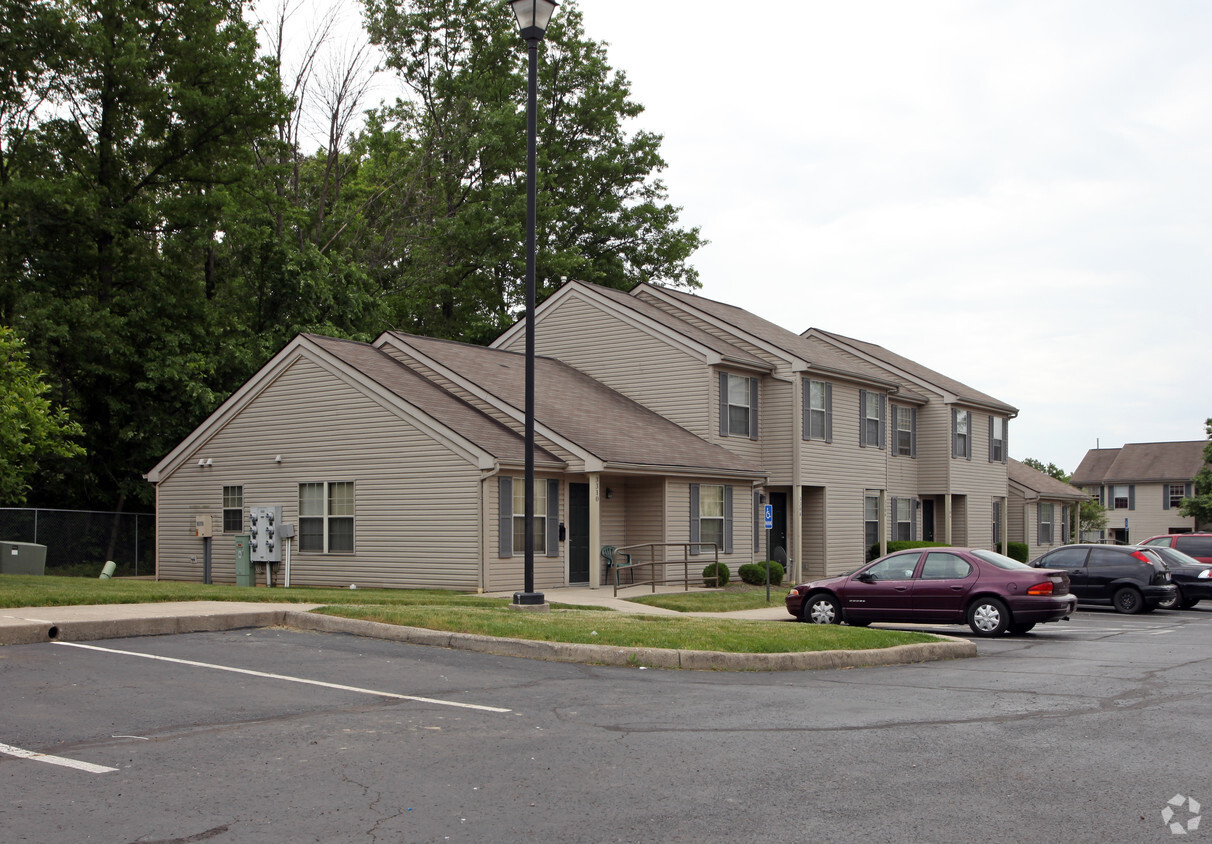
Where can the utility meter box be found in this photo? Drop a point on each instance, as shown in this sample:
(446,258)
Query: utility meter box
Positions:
(264,541)
(202,526)
(244,567)
(22,558)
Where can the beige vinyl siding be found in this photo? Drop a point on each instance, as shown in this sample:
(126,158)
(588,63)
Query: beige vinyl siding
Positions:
(740,445)
(1148,518)
(934,447)
(1018,520)
(678,528)
(653,371)
(816,536)
(416,511)
(778,416)
(977,482)
(506,574)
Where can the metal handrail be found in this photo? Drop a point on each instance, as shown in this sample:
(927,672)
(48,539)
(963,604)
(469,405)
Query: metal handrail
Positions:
(653,562)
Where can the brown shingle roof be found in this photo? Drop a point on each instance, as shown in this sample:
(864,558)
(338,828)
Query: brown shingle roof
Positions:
(1039,482)
(605,423)
(1141,463)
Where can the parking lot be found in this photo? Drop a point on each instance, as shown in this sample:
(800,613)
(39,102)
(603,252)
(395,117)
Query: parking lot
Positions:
(1080,731)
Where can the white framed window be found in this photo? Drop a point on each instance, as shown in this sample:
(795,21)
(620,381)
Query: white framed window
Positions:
(326,517)
(710,517)
(902,519)
(905,419)
(997,439)
(233,509)
(961,433)
(540,518)
(818,410)
(1175,493)
(1045,524)
(997,523)
(738,406)
(871,519)
(871,419)
(1122,496)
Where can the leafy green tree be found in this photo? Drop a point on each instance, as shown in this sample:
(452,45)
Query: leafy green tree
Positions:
(1199,505)
(450,170)
(31,428)
(1051,470)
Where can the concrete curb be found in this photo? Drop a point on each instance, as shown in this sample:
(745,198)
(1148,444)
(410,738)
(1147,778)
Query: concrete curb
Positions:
(34,631)
(949,648)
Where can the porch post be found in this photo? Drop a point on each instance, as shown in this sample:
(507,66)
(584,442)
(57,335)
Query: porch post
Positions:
(796,551)
(595,530)
(947,518)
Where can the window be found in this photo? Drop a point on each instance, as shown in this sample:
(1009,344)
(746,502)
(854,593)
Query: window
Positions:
(871,520)
(1045,524)
(511,510)
(943,565)
(738,406)
(540,518)
(1174,495)
(871,419)
(326,517)
(1123,497)
(818,410)
(710,517)
(997,523)
(905,419)
(961,439)
(997,439)
(902,519)
(897,567)
(233,509)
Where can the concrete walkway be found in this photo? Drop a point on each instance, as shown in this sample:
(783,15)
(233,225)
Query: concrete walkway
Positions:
(32,625)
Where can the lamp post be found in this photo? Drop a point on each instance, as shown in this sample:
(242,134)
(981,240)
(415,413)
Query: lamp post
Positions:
(533,17)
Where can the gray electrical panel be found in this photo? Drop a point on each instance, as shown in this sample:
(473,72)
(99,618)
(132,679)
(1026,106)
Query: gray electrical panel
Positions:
(264,541)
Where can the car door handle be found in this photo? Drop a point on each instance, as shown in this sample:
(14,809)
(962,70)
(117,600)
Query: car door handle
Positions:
(902,589)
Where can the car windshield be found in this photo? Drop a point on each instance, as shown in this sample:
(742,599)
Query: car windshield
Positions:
(1175,557)
(999,560)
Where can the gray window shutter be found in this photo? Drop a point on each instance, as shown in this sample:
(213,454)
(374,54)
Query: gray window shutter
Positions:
(990,438)
(727,520)
(955,432)
(1039,525)
(505,518)
(828,413)
(913,521)
(553,518)
(892,521)
(863,418)
(968,439)
(883,420)
(1131,496)
(806,423)
(1188,491)
(723,404)
(694,518)
(913,432)
(1165,496)
(1102,496)
(753,408)
(1006,441)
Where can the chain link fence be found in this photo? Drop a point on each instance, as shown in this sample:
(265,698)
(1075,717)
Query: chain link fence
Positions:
(79,542)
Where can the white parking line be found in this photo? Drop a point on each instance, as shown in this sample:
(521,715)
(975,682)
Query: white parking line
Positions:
(287,678)
(21,753)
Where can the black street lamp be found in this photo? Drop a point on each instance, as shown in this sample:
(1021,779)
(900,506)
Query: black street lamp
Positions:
(533,16)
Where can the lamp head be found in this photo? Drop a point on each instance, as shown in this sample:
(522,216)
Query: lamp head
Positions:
(533,16)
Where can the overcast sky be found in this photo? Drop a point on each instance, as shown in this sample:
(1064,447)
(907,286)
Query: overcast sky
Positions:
(1016,194)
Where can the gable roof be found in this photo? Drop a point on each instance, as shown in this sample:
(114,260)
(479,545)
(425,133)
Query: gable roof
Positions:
(1142,463)
(915,370)
(812,355)
(1040,484)
(604,423)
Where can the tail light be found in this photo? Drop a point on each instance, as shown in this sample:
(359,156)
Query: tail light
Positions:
(1139,556)
(1044,588)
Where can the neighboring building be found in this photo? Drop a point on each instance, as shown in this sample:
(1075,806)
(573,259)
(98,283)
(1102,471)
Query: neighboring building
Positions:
(1142,486)
(1043,510)
(861,445)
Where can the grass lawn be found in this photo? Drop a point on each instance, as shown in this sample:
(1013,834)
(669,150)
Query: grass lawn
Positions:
(462,613)
(731,598)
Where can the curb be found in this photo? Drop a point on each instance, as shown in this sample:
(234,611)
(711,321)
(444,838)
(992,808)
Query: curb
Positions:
(33,631)
(949,648)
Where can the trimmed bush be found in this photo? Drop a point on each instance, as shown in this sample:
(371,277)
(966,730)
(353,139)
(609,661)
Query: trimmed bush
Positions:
(755,573)
(901,545)
(1018,551)
(717,572)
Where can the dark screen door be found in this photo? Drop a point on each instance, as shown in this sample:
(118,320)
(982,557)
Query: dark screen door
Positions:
(578,533)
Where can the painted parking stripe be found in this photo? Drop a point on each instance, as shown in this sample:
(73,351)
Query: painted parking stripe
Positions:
(286,677)
(21,753)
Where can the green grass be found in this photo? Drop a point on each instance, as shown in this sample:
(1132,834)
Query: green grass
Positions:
(464,613)
(729,599)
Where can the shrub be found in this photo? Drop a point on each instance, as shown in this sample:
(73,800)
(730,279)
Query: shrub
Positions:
(1018,551)
(901,545)
(755,573)
(717,572)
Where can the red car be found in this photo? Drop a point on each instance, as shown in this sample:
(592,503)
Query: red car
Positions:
(1197,545)
(992,593)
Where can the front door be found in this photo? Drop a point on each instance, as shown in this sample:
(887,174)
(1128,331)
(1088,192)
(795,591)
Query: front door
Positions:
(578,533)
(928,519)
(778,530)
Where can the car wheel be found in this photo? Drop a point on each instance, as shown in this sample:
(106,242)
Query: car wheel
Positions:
(1189,602)
(1128,601)
(822,609)
(1172,603)
(1020,629)
(988,617)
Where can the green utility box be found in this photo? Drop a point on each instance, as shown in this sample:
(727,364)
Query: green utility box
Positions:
(244,568)
(22,558)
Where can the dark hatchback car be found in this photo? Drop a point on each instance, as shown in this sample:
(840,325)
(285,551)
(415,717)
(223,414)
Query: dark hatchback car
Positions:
(1192,578)
(1131,578)
(1197,545)
(993,594)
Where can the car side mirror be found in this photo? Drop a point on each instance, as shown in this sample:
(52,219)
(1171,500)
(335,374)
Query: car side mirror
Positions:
(866,577)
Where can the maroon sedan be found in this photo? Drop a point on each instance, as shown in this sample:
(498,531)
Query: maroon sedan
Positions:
(992,593)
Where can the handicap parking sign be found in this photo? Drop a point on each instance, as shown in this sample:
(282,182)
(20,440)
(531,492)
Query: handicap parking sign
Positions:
(769,516)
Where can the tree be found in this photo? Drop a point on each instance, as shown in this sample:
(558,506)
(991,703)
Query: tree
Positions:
(31,428)
(1199,505)
(1051,470)
(452,266)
